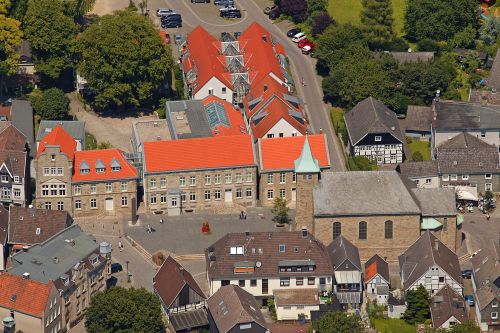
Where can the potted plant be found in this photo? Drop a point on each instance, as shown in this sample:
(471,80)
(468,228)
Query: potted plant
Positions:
(205,228)
(302,318)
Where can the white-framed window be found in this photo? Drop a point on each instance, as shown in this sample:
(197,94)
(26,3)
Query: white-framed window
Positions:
(45,190)
(270,178)
(282,177)
(294,177)
(100,170)
(4,179)
(270,194)
(245,326)
(249,177)
(239,193)
(93,188)
(488,186)
(465,177)
(152,199)
(217,194)
(284,282)
(77,189)
(163,198)
(48,205)
(282,193)
(239,178)
(17,192)
(53,189)
(428,180)
(208,195)
(494,315)
(487,176)
(182,181)
(453,177)
(60,171)
(152,183)
(378,138)
(446,178)
(84,171)
(173,202)
(93,203)
(281,248)
(46,171)
(228,178)
(183,197)
(78,204)
(109,187)
(124,201)
(210,91)
(163,182)
(494,304)
(116,168)
(192,196)
(208,179)
(223,90)
(270,136)
(124,186)
(16,179)
(192,180)
(217,179)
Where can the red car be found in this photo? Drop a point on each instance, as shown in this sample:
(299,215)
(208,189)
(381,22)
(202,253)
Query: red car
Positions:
(303,43)
(308,48)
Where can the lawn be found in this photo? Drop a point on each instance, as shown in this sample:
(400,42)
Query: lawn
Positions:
(392,326)
(421,146)
(347,11)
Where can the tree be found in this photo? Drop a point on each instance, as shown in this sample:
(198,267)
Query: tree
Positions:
(127,68)
(124,310)
(52,104)
(490,30)
(465,38)
(488,195)
(296,9)
(334,322)
(51,35)
(316,6)
(78,8)
(10,39)
(467,327)
(427,45)
(321,21)
(18,9)
(360,163)
(438,20)
(334,43)
(377,22)
(417,310)
(280,210)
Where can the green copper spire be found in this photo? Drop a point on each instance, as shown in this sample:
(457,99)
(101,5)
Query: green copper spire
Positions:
(306,163)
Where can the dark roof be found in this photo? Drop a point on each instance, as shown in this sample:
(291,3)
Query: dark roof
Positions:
(4,224)
(261,251)
(326,308)
(494,77)
(465,153)
(486,274)
(75,128)
(25,222)
(24,52)
(188,319)
(377,265)
(426,252)
(418,118)
(341,250)
(447,303)
(12,139)
(404,57)
(484,96)
(231,305)
(195,122)
(15,162)
(371,116)
(435,202)
(464,52)
(453,115)
(22,118)
(418,169)
(170,279)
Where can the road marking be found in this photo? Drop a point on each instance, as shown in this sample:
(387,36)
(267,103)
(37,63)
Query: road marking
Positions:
(244,13)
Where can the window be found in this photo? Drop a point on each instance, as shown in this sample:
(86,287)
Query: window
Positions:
(465,177)
(378,138)
(453,177)
(192,180)
(270,194)
(17,192)
(483,134)
(488,186)
(388,229)
(441,279)
(245,326)
(48,205)
(163,198)
(249,177)
(270,178)
(494,304)
(109,187)
(5,179)
(282,248)
(269,136)
(173,202)
(224,283)
(311,281)
(84,171)
(282,177)
(192,196)
(45,190)
(446,178)
(224,90)
(62,189)
(77,189)
(362,230)
(282,193)
(53,189)
(239,178)
(337,229)
(211,91)
(494,315)
(60,171)
(249,192)
(294,177)
(428,180)
(60,205)
(217,179)
(207,179)
(183,197)
(228,178)
(152,183)
(284,282)
(217,194)
(93,188)
(299,281)
(124,201)
(239,193)
(241,283)
(182,181)
(152,199)
(163,182)
(46,171)
(16,179)
(93,203)
(53,171)
(100,170)
(124,186)
(53,157)
(253,283)
(322,281)
(487,176)
(207,195)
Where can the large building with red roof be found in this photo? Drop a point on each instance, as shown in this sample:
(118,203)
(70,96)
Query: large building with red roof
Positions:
(201,173)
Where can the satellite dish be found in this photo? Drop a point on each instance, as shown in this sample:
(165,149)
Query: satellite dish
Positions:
(258,264)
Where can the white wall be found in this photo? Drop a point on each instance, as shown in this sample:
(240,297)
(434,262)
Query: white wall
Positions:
(284,127)
(382,299)
(292,312)
(396,311)
(389,155)
(2,257)
(422,182)
(375,281)
(493,137)
(446,324)
(430,280)
(215,84)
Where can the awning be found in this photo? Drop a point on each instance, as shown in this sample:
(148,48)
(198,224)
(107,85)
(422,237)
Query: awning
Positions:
(344,277)
(466,193)
(429,223)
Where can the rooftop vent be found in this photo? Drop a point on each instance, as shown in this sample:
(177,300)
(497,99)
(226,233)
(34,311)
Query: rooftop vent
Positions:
(13,298)
(21,218)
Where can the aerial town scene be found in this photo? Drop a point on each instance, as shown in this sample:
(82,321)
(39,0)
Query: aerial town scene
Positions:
(249,166)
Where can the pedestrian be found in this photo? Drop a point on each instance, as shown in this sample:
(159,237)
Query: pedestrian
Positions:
(241,215)
(161,221)
(120,246)
(487,216)
(149,229)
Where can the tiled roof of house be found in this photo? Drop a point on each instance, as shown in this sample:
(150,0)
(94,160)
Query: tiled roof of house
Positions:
(15,162)
(24,295)
(404,57)
(377,265)
(28,226)
(4,225)
(223,118)
(454,115)
(280,153)
(59,137)
(436,201)
(486,274)
(199,153)
(445,304)
(371,116)
(170,279)
(22,118)
(299,296)
(74,128)
(418,169)
(231,305)
(260,94)
(426,252)
(12,139)
(264,247)
(341,250)
(109,159)
(418,118)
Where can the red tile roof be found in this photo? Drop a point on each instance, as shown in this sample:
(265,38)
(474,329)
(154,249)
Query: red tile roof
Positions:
(204,52)
(58,137)
(264,90)
(280,153)
(376,265)
(106,156)
(235,118)
(31,297)
(12,139)
(5,111)
(199,153)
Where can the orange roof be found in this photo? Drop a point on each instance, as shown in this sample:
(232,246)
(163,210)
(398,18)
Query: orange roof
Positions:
(31,296)
(58,137)
(370,271)
(108,157)
(203,52)
(280,153)
(235,118)
(264,90)
(199,153)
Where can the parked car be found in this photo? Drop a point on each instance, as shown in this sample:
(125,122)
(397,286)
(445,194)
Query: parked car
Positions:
(171,24)
(269,9)
(116,267)
(224,2)
(304,42)
(231,13)
(237,34)
(292,32)
(164,11)
(467,273)
(275,13)
(298,37)
(177,38)
(470,300)
(307,49)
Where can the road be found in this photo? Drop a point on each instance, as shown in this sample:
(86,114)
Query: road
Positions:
(303,66)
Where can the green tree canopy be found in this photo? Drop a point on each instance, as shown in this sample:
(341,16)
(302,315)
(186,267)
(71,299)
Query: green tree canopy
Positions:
(10,39)
(51,35)
(377,22)
(52,104)
(280,210)
(123,60)
(439,20)
(417,310)
(467,327)
(334,43)
(335,322)
(490,30)
(121,310)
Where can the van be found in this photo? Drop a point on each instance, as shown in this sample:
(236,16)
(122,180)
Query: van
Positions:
(231,13)
(170,17)
(173,21)
(164,11)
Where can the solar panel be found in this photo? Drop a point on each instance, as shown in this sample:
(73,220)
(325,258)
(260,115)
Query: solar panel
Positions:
(216,114)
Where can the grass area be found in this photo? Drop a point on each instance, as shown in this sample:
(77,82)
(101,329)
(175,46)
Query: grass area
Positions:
(337,116)
(347,11)
(422,146)
(392,326)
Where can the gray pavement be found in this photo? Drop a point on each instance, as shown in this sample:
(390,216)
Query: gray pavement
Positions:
(481,231)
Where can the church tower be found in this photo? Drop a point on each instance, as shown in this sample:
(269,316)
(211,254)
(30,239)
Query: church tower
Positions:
(307,173)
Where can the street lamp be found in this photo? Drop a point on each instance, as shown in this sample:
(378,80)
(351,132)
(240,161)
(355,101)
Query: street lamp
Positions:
(128,275)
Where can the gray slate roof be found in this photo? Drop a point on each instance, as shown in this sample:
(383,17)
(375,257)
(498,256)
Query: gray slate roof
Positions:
(404,57)
(382,268)
(418,169)
(341,250)
(371,116)
(74,128)
(486,274)
(38,260)
(197,120)
(22,118)
(436,201)
(447,303)
(494,77)
(453,116)
(15,161)
(418,118)
(358,193)
(426,252)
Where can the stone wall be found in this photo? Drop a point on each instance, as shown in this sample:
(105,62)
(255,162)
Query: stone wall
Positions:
(289,185)
(448,233)
(305,205)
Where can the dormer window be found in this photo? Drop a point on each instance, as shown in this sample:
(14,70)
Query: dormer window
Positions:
(94,260)
(99,166)
(282,248)
(115,165)
(378,138)
(84,168)
(236,250)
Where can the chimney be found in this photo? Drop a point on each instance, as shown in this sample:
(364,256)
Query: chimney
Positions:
(247,234)
(26,275)
(436,244)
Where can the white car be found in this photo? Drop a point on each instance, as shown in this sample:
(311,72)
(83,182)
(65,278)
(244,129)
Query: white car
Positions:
(164,11)
(298,37)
